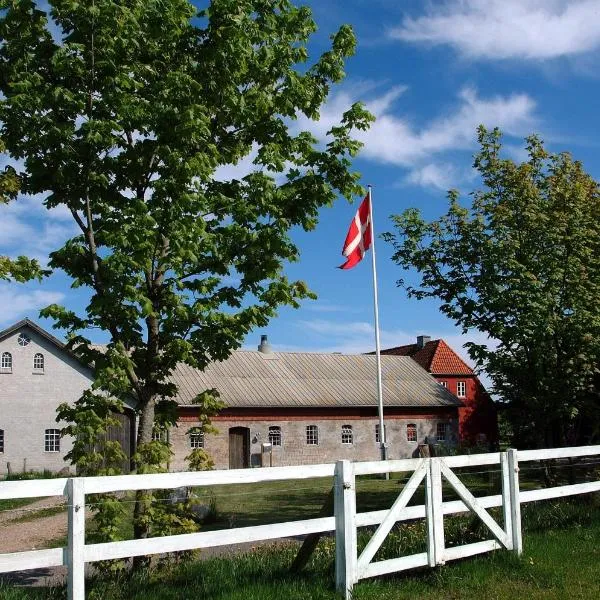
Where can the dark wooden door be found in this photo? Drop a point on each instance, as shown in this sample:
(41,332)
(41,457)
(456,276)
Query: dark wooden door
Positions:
(239,448)
(122,433)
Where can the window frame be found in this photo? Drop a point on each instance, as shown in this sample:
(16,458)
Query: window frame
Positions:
(347,435)
(1,441)
(377,436)
(312,435)
(23,340)
(274,436)
(160,434)
(37,368)
(412,428)
(444,384)
(52,440)
(196,440)
(6,362)
(439,426)
(463,385)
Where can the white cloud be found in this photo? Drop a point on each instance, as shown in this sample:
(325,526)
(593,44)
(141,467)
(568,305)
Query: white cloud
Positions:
(441,176)
(18,304)
(503,29)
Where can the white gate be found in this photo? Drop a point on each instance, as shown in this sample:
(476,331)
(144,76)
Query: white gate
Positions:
(350,568)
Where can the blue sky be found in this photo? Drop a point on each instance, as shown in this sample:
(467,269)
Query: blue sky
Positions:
(431,72)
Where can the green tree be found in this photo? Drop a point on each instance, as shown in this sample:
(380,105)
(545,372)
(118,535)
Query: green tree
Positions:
(521,264)
(123,111)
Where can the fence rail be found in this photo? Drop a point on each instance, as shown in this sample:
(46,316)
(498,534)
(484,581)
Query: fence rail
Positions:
(350,567)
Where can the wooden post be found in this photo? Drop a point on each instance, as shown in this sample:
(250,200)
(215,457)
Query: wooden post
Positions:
(76,539)
(506,499)
(515,502)
(345,528)
(434,514)
(311,540)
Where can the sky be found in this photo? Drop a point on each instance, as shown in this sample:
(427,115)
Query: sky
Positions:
(431,72)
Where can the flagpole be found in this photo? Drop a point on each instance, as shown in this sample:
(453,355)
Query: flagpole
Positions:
(382,437)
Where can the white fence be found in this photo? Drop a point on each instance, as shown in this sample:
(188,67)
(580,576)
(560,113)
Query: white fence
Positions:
(350,567)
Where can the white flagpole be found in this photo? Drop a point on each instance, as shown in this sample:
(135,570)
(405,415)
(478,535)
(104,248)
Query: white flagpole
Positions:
(382,438)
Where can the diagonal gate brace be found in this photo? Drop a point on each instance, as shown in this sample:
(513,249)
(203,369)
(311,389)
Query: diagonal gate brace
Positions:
(473,504)
(390,519)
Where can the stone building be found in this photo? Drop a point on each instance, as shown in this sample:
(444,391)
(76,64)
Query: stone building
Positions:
(281,408)
(289,408)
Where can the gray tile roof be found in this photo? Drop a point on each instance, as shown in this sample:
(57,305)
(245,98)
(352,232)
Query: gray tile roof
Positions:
(294,379)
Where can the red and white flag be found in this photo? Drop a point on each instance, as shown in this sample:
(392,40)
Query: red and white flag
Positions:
(358,240)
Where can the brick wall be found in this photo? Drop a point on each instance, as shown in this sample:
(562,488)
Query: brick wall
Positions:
(295,451)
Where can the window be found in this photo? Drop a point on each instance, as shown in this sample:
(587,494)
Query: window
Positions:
(52,440)
(377,438)
(347,436)
(23,340)
(411,432)
(461,389)
(444,384)
(6,363)
(160,434)
(38,362)
(275,435)
(312,435)
(197,439)
(1,440)
(442,430)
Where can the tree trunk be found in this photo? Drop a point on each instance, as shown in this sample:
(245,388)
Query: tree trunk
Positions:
(143,498)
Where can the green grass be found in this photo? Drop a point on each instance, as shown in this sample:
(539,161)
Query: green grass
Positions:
(34,515)
(13,503)
(560,561)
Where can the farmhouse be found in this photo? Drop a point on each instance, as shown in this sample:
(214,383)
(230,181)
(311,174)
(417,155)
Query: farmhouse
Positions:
(281,408)
(477,417)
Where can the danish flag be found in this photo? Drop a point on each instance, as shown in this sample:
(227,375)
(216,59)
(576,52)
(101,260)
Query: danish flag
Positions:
(358,240)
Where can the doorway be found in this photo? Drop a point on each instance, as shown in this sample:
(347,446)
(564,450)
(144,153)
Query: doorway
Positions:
(239,448)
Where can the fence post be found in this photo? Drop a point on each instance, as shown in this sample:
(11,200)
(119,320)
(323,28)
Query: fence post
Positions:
(345,528)
(506,500)
(515,502)
(434,514)
(76,539)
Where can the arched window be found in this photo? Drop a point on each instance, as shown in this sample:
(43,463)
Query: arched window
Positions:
(38,362)
(275,435)
(1,441)
(411,432)
(347,435)
(6,363)
(52,440)
(197,439)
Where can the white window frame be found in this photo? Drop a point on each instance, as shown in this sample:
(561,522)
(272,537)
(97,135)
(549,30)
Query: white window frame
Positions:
(274,436)
(413,428)
(52,440)
(377,438)
(1,441)
(312,435)
(197,439)
(444,384)
(6,362)
(23,340)
(439,436)
(38,362)
(347,435)
(160,434)
(461,389)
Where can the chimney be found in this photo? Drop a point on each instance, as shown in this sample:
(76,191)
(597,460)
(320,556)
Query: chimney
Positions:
(264,346)
(422,340)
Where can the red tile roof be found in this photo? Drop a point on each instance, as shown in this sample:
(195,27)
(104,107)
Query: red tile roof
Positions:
(435,356)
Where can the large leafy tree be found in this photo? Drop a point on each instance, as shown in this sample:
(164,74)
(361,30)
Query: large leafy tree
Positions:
(521,263)
(123,111)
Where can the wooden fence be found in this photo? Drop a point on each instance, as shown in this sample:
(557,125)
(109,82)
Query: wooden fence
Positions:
(350,567)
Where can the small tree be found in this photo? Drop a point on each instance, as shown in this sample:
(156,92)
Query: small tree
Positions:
(123,112)
(521,264)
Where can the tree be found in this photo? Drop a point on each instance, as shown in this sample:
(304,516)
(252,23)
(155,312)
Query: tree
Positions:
(123,112)
(522,265)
